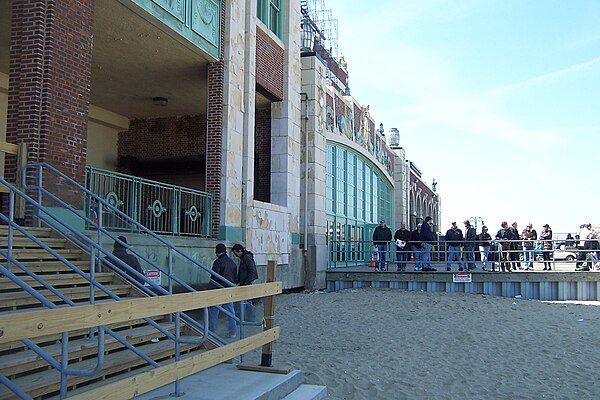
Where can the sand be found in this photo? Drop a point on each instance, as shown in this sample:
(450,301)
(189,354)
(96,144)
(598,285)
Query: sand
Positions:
(393,344)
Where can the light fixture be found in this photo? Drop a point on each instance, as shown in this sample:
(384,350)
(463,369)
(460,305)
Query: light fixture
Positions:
(160,101)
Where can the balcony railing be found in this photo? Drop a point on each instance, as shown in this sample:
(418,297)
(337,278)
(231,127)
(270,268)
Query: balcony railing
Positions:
(161,207)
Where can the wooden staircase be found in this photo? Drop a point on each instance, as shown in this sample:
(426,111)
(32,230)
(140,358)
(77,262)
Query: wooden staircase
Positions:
(34,375)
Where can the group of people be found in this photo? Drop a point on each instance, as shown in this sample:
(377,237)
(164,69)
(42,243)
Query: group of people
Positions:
(418,242)
(509,249)
(226,269)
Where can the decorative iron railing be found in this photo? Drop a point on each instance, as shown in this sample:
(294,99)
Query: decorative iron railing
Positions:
(161,207)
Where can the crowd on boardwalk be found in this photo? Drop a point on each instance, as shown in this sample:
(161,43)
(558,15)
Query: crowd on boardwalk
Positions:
(508,250)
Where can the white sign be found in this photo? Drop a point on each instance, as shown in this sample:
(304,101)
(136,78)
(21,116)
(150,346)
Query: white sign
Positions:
(153,275)
(461,277)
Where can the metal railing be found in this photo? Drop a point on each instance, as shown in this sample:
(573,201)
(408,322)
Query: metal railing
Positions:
(38,174)
(505,255)
(162,207)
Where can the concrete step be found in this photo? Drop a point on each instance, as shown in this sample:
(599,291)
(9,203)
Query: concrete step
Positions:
(225,382)
(307,392)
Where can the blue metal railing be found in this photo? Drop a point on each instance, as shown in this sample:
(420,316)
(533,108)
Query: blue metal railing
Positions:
(94,247)
(162,207)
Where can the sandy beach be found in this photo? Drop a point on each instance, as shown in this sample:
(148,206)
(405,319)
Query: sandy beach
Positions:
(393,344)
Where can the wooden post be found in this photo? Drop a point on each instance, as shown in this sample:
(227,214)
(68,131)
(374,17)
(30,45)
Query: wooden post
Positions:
(267,349)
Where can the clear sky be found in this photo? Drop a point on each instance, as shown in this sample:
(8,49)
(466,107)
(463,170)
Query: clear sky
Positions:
(498,100)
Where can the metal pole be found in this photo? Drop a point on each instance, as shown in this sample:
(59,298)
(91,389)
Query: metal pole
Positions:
(269,316)
(11,219)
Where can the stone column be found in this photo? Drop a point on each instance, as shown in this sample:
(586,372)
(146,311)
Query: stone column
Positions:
(314,147)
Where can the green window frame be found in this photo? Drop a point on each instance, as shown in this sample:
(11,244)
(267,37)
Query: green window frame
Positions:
(270,12)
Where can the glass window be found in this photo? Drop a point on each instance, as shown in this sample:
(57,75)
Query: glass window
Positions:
(360,188)
(340,166)
(350,185)
(375,208)
(270,13)
(330,180)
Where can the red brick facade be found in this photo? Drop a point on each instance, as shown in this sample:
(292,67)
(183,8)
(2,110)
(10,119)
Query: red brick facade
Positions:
(160,138)
(262,155)
(269,65)
(214,134)
(49,82)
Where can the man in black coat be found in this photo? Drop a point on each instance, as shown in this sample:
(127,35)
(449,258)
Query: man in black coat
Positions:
(120,252)
(402,237)
(226,268)
(247,269)
(381,237)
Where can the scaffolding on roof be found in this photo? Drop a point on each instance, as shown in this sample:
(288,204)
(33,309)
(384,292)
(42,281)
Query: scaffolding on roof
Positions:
(327,25)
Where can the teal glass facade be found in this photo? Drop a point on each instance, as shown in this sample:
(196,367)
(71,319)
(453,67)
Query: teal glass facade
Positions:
(358,196)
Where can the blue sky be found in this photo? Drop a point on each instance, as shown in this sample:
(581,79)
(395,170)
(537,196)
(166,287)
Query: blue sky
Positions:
(499,101)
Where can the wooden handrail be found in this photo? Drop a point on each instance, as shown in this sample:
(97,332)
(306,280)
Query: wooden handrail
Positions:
(153,379)
(32,324)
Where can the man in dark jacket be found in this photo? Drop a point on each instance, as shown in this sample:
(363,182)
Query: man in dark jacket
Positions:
(402,239)
(120,252)
(381,237)
(247,269)
(246,275)
(427,239)
(454,239)
(226,268)
(470,243)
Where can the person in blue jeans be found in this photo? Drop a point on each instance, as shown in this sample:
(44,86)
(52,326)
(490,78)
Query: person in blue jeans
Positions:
(454,239)
(225,267)
(427,239)
(381,237)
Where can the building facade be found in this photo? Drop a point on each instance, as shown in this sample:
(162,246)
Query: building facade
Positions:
(209,95)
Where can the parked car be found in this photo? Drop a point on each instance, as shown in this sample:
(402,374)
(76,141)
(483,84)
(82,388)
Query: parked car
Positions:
(559,255)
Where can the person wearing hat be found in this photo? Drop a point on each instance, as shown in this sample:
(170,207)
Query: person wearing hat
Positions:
(225,268)
(381,237)
(546,238)
(470,243)
(120,252)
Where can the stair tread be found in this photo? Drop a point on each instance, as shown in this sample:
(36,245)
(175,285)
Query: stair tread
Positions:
(65,291)
(50,266)
(56,280)
(21,241)
(48,381)
(9,362)
(79,332)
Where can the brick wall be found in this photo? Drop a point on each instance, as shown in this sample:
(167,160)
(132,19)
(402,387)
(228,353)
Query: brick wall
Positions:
(49,82)
(214,133)
(160,138)
(262,155)
(269,65)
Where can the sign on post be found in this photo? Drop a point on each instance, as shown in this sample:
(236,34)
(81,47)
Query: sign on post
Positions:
(153,275)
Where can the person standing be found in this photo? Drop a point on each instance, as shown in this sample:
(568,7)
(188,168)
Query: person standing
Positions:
(226,268)
(247,269)
(546,238)
(515,246)
(402,237)
(381,237)
(454,239)
(485,241)
(529,237)
(427,239)
(470,243)
(504,237)
(417,247)
(246,275)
